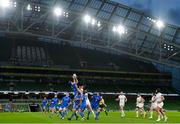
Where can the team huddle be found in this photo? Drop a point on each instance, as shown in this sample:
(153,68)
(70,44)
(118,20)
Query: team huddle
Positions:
(80,102)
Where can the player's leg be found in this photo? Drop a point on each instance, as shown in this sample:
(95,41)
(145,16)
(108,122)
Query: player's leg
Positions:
(163,112)
(104,109)
(52,111)
(90,109)
(151,113)
(75,108)
(122,111)
(137,111)
(143,112)
(82,108)
(97,113)
(61,112)
(159,114)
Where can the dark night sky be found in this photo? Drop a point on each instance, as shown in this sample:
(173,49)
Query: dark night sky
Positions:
(166,10)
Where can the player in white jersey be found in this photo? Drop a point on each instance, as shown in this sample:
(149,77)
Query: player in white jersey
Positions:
(153,105)
(140,106)
(159,100)
(122,100)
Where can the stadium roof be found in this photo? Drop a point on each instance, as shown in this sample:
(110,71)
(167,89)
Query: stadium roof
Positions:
(142,38)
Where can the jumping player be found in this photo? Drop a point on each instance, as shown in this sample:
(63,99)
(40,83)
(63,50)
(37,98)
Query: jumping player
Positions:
(122,100)
(74,83)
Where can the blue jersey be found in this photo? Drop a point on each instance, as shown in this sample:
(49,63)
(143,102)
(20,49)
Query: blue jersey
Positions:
(52,104)
(55,101)
(77,99)
(44,102)
(65,101)
(83,103)
(95,100)
(74,87)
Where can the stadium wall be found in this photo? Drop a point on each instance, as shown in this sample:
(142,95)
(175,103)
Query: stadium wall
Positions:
(175,75)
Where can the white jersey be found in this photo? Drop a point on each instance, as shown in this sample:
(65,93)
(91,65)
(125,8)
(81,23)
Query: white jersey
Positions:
(140,102)
(158,97)
(122,100)
(159,100)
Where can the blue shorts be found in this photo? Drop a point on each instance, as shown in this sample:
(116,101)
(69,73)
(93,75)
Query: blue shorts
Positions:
(52,107)
(94,107)
(82,107)
(44,107)
(62,107)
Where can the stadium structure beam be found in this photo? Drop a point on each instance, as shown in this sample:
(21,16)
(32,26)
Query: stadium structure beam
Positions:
(136,28)
(109,23)
(114,10)
(174,54)
(140,48)
(36,21)
(175,35)
(103,2)
(97,46)
(167,41)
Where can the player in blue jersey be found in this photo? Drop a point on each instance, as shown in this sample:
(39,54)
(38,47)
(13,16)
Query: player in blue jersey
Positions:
(65,102)
(73,84)
(44,105)
(95,105)
(82,105)
(53,105)
(76,106)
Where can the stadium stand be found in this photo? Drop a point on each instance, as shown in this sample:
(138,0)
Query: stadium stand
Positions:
(30,52)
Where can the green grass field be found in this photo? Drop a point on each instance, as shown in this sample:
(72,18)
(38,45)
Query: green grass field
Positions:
(114,117)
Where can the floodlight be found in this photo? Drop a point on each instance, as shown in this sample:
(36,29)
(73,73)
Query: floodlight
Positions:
(93,21)
(98,23)
(4,3)
(120,29)
(159,24)
(87,18)
(114,29)
(58,11)
(29,7)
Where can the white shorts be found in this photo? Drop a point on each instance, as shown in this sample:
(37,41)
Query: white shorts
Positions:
(121,104)
(160,105)
(153,105)
(140,105)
